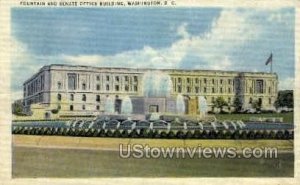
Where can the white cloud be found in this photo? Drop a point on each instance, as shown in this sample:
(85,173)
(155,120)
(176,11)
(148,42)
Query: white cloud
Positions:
(230,30)
(211,50)
(181,31)
(286,84)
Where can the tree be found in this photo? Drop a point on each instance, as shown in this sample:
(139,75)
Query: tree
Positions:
(237,104)
(220,103)
(285,99)
(256,105)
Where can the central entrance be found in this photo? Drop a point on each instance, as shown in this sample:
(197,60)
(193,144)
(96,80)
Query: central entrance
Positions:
(153,108)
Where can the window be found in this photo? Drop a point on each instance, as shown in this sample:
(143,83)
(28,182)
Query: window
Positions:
(116,87)
(179,88)
(229,100)
(97,107)
(98,87)
(98,78)
(135,78)
(221,90)
(259,86)
(59,97)
(269,90)
(72,97)
(179,80)
(188,89)
(97,98)
(250,100)
(117,78)
(126,88)
(270,101)
(213,81)
(221,81)
(196,80)
(204,90)
(58,85)
(135,88)
(212,99)
(197,89)
(251,90)
(83,107)
(126,78)
(229,90)
(229,81)
(188,80)
(107,87)
(71,81)
(71,108)
(83,97)
(213,90)
(205,80)
(83,86)
(107,78)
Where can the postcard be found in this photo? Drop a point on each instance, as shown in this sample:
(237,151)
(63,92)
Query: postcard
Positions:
(163,91)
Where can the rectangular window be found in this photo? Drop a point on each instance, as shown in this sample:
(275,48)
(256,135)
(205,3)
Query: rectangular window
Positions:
(126,88)
(229,81)
(107,78)
(188,89)
(197,89)
(213,90)
(83,86)
(179,88)
(221,90)
(204,90)
(72,81)
(117,78)
(98,78)
(135,78)
(259,86)
(221,81)
(116,87)
(179,80)
(126,78)
(196,80)
(205,80)
(188,80)
(98,87)
(135,88)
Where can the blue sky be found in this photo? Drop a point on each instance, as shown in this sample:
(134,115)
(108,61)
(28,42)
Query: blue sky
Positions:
(187,38)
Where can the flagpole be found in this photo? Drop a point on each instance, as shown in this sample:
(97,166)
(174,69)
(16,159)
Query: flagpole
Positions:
(271,66)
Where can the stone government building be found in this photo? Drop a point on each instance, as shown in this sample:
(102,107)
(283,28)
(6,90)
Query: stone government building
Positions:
(65,90)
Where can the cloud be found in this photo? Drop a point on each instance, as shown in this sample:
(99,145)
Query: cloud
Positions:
(222,47)
(230,30)
(286,84)
(181,31)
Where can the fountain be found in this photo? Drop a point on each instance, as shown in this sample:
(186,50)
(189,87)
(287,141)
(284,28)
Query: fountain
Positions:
(157,84)
(202,104)
(109,106)
(180,105)
(126,106)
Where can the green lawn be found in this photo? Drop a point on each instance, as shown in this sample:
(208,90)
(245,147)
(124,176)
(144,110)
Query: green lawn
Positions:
(68,163)
(287,117)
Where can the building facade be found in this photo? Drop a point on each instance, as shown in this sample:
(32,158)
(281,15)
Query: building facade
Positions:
(83,90)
